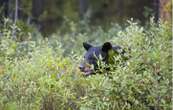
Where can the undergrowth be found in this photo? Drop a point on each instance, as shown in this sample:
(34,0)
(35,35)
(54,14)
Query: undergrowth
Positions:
(42,73)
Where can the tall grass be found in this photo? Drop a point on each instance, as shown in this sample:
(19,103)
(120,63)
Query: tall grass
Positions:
(42,73)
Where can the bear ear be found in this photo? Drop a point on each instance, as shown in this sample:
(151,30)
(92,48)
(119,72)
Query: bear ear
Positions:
(106,46)
(86,46)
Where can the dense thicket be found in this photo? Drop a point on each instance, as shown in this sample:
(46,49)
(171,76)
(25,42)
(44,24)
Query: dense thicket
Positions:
(42,74)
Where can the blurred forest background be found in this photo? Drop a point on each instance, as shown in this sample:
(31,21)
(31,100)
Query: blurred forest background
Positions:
(50,15)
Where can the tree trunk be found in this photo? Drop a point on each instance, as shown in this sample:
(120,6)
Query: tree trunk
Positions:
(37,9)
(120,7)
(83,6)
(5,5)
(6,8)
(156,9)
(165,10)
(16,11)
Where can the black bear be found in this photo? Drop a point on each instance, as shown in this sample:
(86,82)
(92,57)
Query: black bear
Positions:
(105,53)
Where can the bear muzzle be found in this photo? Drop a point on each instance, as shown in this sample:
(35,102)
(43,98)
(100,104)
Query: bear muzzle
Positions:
(86,69)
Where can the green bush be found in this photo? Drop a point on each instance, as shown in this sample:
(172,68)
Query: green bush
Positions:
(40,73)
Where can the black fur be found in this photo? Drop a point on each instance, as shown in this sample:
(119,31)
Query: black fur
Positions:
(93,53)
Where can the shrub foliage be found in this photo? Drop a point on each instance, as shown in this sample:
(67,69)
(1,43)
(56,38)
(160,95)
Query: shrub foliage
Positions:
(42,73)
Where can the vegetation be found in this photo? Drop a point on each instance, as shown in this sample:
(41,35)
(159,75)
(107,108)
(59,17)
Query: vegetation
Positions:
(48,15)
(42,73)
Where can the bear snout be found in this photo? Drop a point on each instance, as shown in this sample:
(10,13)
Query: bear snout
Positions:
(87,70)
